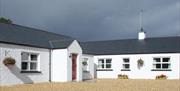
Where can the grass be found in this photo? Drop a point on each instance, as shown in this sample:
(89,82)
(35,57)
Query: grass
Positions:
(101,85)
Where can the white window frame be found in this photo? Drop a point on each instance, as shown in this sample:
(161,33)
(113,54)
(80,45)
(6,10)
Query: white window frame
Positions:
(124,63)
(29,61)
(105,63)
(161,63)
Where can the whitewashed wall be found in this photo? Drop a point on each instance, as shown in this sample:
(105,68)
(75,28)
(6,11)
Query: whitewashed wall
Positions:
(143,73)
(11,76)
(90,74)
(75,48)
(59,65)
(62,63)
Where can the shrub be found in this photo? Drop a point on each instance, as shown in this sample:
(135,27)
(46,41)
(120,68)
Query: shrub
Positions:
(161,77)
(9,61)
(120,76)
(4,20)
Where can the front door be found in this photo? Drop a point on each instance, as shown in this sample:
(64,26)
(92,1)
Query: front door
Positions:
(74,66)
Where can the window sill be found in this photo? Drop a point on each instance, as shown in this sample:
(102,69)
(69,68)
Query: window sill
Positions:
(125,70)
(30,71)
(161,70)
(104,70)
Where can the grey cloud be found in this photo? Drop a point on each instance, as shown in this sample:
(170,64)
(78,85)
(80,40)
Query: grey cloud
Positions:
(96,19)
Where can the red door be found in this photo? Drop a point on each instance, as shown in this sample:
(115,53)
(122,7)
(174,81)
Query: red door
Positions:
(74,66)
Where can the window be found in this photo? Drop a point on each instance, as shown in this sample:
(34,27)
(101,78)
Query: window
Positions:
(85,64)
(104,63)
(126,64)
(108,63)
(29,61)
(162,63)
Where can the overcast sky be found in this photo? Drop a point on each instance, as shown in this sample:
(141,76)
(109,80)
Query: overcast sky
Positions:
(96,19)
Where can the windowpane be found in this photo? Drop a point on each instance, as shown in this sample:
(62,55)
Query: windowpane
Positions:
(101,61)
(165,66)
(157,59)
(126,66)
(154,66)
(158,66)
(24,65)
(108,65)
(24,56)
(33,57)
(33,66)
(101,66)
(126,60)
(108,60)
(166,59)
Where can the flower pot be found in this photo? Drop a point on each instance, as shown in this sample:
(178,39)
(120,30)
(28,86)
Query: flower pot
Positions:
(9,62)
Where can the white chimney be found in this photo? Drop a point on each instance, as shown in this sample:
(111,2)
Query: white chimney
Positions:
(141,35)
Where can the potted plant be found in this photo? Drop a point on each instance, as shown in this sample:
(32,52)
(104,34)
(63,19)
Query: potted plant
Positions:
(161,77)
(84,63)
(9,61)
(140,63)
(120,76)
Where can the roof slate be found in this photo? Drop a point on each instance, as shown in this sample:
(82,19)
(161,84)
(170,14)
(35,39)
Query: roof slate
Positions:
(16,34)
(133,46)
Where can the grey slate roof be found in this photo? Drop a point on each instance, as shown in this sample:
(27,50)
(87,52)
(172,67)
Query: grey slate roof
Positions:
(16,34)
(133,46)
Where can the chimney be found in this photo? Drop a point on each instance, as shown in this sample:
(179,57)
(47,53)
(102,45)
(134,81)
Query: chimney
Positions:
(141,35)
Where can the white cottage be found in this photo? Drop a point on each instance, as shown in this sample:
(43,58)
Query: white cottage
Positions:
(42,56)
(143,58)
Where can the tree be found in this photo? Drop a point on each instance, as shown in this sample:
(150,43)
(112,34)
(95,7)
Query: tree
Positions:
(4,20)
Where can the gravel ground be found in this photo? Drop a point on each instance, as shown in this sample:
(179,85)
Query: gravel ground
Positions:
(101,85)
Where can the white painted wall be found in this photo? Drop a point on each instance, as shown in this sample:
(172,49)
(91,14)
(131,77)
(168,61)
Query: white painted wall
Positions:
(75,48)
(143,73)
(90,74)
(13,76)
(59,65)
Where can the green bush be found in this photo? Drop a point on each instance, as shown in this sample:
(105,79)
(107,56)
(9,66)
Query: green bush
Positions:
(6,21)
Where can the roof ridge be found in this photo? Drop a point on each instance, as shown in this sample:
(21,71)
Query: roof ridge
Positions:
(131,39)
(62,40)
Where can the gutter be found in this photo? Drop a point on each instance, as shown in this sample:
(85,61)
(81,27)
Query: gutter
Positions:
(179,66)
(50,59)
